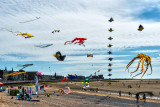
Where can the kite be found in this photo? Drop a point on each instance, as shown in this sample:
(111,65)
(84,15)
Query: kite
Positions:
(80,41)
(65,79)
(89,55)
(109,79)
(110,59)
(74,76)
(142,58)
(98,71)
(31,20)
(1,84)
(110,38)
(109,70)
(140,28)
(50,69)
(59,56)
(110,45)
(110,30)
(61,91)
(45,85)
(109,52)
(110,64)
(55,31)
(26,35)
(69,90)
(111,19)
(39,73)
(109,74)
(43,45)
(14,73)
(24,66)
(85,82)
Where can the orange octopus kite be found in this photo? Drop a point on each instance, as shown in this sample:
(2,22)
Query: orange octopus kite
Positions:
(143,58)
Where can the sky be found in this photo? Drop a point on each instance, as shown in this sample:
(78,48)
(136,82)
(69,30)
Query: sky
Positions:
(84,19)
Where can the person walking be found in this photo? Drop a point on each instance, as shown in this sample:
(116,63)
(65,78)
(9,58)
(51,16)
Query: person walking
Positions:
(144,98)
(119,93)
(137,97)
(129,94)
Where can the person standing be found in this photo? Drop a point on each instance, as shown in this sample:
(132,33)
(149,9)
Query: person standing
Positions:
(119,93)
(144,98)
(137,97)
(129,94)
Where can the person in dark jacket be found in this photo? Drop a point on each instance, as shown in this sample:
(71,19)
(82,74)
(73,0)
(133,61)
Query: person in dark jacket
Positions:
(137,97)
(144,98)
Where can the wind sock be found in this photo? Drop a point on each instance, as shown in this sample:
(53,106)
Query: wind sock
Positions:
(31,91)
(36,79)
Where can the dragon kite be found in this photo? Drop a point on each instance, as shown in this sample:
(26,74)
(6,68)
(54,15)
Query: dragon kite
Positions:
(26,35)
(142,58)
(80,41)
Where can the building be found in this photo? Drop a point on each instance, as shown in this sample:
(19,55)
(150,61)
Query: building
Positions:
(30,75)
(1,73)
(80,77)
(100,76)
(46,77)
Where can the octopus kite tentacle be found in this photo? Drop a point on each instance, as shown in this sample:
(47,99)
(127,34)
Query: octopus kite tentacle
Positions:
(130,63)
(151,69)
(137,67)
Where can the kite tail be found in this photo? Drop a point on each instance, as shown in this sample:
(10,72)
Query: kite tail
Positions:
(66,42)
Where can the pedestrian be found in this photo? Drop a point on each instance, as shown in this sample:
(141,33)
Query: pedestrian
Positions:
(129,93)
(137,97)
(144,98)
(119,93)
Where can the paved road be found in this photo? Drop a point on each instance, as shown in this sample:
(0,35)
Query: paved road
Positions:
(118,102)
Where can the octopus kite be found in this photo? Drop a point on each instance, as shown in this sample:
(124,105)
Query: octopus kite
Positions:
(80,41)
(142,58)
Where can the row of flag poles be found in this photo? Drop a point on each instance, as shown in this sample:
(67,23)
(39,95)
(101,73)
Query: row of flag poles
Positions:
(109,52)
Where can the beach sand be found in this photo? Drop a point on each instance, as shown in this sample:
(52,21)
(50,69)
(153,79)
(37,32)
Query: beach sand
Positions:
(81,98)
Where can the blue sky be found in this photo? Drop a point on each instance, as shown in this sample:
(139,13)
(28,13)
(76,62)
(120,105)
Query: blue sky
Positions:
(80,18)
